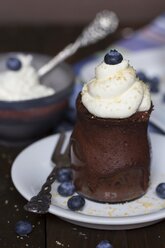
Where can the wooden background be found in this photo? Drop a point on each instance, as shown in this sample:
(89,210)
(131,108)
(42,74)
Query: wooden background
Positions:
(41,12)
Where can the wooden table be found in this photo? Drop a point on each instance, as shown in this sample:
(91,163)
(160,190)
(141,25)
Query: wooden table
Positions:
(48,230)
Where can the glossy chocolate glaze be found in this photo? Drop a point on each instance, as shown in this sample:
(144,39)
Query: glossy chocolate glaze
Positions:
(110,157)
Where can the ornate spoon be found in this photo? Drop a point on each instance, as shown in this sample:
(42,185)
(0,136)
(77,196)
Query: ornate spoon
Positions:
(105,22)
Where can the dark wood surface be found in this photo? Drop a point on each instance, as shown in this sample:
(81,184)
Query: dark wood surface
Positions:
(48,230)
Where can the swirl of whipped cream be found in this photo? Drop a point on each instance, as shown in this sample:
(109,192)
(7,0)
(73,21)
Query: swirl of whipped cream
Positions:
(115,92)
(22,84)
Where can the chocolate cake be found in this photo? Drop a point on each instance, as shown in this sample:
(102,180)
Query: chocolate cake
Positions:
(110,157)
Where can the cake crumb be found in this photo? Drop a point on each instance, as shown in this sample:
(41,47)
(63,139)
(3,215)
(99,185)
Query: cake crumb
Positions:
(6,202)
(59,243)
(11,188)
(110,212)
(83,234)
(74,228)
(147,204)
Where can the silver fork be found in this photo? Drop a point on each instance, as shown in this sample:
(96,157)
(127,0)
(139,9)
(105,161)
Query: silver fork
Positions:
(41,202)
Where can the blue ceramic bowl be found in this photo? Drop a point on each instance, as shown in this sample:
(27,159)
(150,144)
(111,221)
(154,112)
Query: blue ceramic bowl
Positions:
(22,122)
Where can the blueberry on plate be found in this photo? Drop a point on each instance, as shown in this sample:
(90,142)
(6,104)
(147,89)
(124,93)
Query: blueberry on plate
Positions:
(64,175)
(160,190)
(76,202)
(66,189)
(13,64)
(113,57)
(104,244)
(23,227)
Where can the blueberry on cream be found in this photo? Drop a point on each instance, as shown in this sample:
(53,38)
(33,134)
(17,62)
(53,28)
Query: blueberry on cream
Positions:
(20,80)
(13,64)
(113,57)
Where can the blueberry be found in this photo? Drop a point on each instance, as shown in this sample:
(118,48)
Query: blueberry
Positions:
(155,80)
(23,227)
(113,57)
(64,175)
(154,88)
(66,189)
(76,202)
(13,64)
(142,76)
(154,84)
(163,98)
(160,190)
(104,244)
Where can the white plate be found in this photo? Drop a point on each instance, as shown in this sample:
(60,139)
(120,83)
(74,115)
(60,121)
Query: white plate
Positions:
(150,61)
(33,164)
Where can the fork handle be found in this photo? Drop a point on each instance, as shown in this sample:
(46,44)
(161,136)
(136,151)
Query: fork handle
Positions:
(46,187)
(41,202)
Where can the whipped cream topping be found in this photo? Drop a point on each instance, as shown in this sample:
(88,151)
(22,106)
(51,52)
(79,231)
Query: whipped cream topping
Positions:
(23,84)
(115,92)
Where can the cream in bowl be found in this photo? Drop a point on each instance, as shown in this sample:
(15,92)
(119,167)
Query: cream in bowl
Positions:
(30,108)
(20,80)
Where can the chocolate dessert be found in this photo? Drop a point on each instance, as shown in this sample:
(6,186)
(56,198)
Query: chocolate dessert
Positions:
(110,156)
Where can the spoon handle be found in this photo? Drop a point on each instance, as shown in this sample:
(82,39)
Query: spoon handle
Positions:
(104,23)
